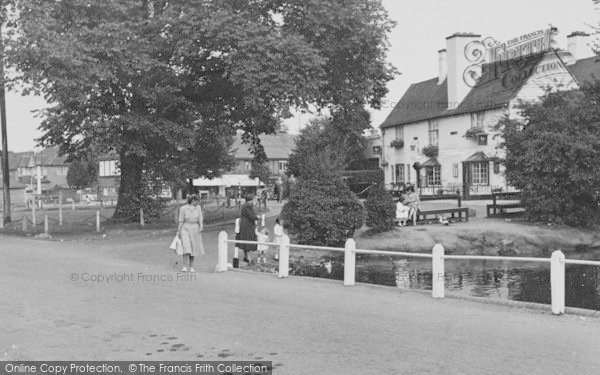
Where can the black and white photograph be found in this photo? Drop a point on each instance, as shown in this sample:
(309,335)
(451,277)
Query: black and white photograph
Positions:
(299,187)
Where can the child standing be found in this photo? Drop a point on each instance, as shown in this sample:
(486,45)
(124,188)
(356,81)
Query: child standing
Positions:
(278,233)
(262,236)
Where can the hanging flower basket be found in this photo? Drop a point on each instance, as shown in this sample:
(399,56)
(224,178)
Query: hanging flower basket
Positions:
(431,151)
(473,133)
(397,143)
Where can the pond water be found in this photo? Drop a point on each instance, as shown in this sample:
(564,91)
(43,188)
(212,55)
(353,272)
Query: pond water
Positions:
(522,281)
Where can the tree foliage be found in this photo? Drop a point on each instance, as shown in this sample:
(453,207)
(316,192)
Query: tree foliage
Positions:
(166,84)
(321,209)
(82,174)
(323,137)
(260,170)
(381,209)
(552,155)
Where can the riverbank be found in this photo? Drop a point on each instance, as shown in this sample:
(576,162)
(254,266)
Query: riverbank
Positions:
(488,237)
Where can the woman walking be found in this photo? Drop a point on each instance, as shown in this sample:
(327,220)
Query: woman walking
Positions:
(190,227)
(248,227)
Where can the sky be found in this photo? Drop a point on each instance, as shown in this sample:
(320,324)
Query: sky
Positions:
(421,30)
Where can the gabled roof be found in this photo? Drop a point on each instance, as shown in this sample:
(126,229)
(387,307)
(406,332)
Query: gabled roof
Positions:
(49,157)
(478,156)
(18,159)
(277,146)
(428,100)
(586,70)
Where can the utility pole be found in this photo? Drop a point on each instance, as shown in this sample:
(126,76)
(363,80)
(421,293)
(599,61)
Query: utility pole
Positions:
(5,166)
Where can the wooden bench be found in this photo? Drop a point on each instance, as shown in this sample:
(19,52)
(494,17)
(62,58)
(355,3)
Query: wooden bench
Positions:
(501,209)
(439,197)
(460,213)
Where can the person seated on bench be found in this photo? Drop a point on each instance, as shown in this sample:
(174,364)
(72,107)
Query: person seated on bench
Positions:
(412,201)
(401,213)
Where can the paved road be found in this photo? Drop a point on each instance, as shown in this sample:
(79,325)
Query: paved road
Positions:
(305,326)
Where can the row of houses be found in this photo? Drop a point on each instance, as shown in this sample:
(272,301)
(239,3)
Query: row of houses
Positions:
(26,166)
(440,134)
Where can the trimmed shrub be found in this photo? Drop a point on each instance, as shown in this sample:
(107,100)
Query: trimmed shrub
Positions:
(322,211)
(381,209)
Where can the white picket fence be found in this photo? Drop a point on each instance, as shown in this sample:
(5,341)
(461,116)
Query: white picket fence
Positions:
(557,264)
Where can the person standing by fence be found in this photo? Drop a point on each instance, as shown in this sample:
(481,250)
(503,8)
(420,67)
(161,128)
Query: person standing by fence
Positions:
(248,227)
(191,224)
(278,233)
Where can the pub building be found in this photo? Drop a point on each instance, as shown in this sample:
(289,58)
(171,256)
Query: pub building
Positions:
(440,136)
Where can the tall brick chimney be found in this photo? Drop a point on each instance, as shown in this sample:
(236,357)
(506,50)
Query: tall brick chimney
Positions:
(578,44)
(443,65)
(457,64)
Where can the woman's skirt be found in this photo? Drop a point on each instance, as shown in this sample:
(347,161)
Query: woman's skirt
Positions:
(191,239)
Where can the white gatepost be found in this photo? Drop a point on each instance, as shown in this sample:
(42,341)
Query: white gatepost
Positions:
(97,221)
(60,208)
(557,282)
(33,216)
(437,272)
(350,262)
(236,249)
(284,256)
(142,222)
(222,252)
(46,224)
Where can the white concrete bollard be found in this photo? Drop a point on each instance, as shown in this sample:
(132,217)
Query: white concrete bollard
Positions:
(222,252)
(33,218)
(24,223)
(350,262)
(557,282)
(262,220)
(437,272)
(60,216)
(142,223)
(236,249)
(284,256)
(46,224)
(97,221)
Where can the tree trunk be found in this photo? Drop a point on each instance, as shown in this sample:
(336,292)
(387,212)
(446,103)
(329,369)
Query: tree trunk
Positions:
(130,190)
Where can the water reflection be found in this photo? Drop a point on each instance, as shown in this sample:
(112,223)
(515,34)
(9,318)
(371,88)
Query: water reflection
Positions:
(530,282)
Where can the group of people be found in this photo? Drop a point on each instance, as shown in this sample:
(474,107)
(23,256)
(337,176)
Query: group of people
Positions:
(191,225)
(407,207)
(249,232)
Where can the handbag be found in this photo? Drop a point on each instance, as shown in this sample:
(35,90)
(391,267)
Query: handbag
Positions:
(177,246)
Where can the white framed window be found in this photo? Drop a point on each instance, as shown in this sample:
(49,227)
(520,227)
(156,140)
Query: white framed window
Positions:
(480,173)
(247,166)
(477,120)
(434,132)
(399,132)
(407,172)
(433,176)
(455,170)
(109,168)
(400,173)
(283,164)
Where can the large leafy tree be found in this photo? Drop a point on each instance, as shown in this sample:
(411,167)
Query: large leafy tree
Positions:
(81,174)
(552,155)
(166,84)
(330,140)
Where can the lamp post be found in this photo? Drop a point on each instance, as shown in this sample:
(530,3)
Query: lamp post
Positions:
(5,166)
